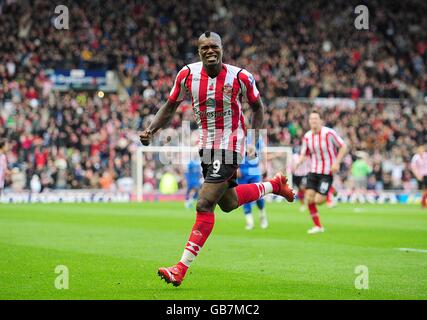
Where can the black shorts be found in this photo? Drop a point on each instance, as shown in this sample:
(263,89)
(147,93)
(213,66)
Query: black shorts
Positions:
(299,181)
(220,165)
(319,182)
(422,184)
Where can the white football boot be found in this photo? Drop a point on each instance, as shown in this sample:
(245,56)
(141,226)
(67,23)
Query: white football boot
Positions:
(316,229)
(249,221)
(263,219)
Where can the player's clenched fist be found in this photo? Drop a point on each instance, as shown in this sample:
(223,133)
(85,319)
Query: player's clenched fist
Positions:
(145,137)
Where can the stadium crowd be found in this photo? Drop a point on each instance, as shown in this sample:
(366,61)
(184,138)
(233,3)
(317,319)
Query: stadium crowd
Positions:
(293,48)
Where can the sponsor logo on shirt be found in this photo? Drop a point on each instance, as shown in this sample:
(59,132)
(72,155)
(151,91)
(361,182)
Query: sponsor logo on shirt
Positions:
(213,114)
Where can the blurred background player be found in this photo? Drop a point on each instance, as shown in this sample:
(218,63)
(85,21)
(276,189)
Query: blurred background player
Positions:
(3,165)
(419,169)
(192,177)
(322,143)
(299,176)
(250,172)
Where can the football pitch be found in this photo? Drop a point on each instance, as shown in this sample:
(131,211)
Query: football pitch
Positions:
(112,251)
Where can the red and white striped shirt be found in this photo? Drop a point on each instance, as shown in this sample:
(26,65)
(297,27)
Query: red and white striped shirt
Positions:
(217,103)
(303,169)
(419,164)
(322,147)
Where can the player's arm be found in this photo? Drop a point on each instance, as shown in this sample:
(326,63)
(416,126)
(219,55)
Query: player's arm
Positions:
(342,150)
(303,153)
(340,156)
(161,119)
(301,159)
(257,116)
(167,111)
(250,90)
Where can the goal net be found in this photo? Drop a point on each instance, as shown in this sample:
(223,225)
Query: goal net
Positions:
(159,171)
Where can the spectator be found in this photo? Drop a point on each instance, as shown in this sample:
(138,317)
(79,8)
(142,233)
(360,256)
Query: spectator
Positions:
(106,181)
(35,184)
(360,170)
(18,180)
(293,48)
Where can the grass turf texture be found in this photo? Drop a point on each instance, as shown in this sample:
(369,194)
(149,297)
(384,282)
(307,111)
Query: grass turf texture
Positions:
(113,252)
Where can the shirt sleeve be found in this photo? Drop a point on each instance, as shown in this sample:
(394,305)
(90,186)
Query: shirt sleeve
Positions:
(178,91)
(336,139)
(249,88)
(304,148)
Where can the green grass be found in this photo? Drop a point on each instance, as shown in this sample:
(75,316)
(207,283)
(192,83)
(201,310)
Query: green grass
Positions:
(113,251)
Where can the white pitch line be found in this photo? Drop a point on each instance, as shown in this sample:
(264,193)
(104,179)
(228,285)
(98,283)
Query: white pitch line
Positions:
(413,250)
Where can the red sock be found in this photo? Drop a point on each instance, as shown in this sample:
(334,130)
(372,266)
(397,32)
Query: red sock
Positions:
(314,214)
(301,196)
(424,201)
(253,191)
(201,230)
(330,194)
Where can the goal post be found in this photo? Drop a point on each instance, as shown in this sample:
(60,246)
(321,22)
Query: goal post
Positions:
(177,156)
(153,161)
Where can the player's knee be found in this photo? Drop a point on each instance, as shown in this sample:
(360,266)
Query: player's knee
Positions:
(309,197)
(230,206)
(204,205)
(319,199)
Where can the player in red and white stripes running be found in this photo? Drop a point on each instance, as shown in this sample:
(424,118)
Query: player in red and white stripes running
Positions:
(3,165)
(217,91)
(321,143)
(419,169)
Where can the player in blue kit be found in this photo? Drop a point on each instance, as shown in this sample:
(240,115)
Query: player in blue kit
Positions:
(192,176)
(250,172)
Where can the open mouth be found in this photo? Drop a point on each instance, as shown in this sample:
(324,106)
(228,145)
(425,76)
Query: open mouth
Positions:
(211,58)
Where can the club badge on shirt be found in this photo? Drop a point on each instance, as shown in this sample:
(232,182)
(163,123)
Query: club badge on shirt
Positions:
(227,90)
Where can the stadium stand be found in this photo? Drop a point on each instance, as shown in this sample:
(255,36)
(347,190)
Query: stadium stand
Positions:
(80,139)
